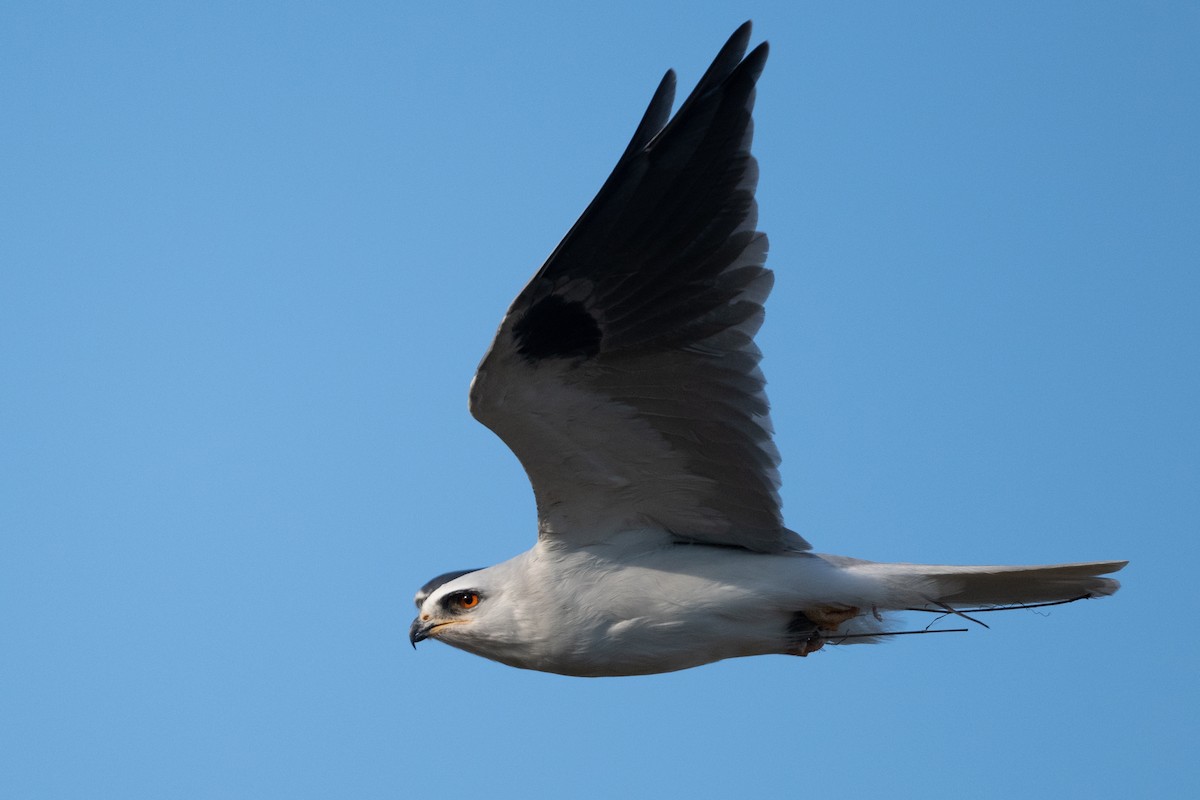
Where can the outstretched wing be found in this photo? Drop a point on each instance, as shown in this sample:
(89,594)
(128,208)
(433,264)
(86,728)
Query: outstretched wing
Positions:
(625,375)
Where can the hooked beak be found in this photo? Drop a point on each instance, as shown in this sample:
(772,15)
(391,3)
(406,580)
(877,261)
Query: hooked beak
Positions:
(418,632)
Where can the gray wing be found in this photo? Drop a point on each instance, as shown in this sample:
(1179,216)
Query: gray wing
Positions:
(625,375)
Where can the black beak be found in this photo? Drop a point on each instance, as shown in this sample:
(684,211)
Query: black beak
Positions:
(417,632)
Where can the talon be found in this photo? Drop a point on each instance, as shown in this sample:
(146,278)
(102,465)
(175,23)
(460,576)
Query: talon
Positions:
(811,645)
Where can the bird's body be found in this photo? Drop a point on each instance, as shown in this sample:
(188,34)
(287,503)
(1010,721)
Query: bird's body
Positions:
(625,378)
(641,602)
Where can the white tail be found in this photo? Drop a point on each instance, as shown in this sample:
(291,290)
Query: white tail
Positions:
(858,616)
(944,585)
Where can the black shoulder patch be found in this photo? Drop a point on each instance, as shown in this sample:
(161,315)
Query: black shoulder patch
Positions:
(557,328)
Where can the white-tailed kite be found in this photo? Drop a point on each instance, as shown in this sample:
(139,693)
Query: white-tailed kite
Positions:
(625,378)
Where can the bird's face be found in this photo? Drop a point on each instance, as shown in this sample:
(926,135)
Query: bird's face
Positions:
(440,613)
(447,605)
(478,611)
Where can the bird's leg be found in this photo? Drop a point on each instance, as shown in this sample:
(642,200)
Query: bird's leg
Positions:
(829,618)
(808,628)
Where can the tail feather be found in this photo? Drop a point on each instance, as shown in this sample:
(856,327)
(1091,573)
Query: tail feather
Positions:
(1004,585)
(874,588)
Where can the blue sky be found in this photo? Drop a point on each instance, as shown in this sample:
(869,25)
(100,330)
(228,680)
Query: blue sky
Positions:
(251,253)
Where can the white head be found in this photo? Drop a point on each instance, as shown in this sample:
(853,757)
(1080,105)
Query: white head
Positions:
(466,609)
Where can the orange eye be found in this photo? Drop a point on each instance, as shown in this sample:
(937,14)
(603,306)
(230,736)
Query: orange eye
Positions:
(468,600)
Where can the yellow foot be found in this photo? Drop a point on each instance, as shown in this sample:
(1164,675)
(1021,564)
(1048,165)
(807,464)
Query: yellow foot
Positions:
(828,618)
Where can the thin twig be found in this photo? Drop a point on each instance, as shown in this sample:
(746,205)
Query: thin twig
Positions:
(843,637)
(949,609)
(1015,607)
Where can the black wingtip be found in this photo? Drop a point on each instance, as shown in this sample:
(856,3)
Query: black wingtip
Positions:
(731,60)
(742,35)
(755,60)
(727,59)
(656,116)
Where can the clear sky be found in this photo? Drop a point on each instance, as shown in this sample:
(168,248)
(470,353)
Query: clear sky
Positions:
(250,254)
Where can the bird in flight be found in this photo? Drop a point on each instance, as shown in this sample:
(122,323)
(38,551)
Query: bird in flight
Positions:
(626,380)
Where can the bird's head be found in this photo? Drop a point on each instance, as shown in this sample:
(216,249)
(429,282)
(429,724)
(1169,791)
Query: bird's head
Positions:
(449,605)
(495,612)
